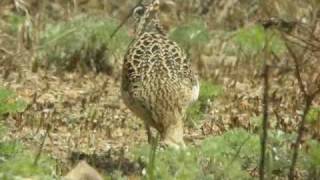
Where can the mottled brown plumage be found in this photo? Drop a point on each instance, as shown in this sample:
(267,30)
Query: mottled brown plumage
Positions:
(158,83)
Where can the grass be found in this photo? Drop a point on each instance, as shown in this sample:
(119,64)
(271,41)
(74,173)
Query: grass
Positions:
(216,157)
(83,42)
(15,21)
(254,39)
(233,155)
(208,92)
(191,34)
(15,160)
(315,154)
(313,116)
(9,103)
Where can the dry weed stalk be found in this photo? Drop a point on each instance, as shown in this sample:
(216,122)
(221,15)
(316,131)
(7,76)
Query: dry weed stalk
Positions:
(309,44)
(308,94)
(265,107)
(308,99)
(40,150)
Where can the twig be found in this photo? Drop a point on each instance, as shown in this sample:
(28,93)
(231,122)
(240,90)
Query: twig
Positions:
(124,21)
(265,107)
(234,158)
(299,137)
(152,158)
(308,98)
(306,43)
(41,146)
(120,25)
(297,69)
(6,51)
(308,101)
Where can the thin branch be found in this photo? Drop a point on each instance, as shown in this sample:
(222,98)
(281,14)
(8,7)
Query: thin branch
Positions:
(308,98)
(308,102)
(152,158)
(234,158)
(303,42)
(41,146)
(6,51)
(265,107)
(120,25)
(124,21)
(299,137)
(297,68)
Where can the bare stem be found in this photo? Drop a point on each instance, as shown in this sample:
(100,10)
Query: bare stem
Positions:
(264,134)
(41,146)
(299,137)
(308,98)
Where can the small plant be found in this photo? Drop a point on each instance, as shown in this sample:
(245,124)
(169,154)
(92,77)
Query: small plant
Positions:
(252,40)
(312,161)
(192,34)
(18,162)
(233,155)
(2,130)
(314,115)
(9,103)
(83,42)
(222,157)
(15,22)
(278,154)
(15,160)
(169,163)
(152,158)
(208,92)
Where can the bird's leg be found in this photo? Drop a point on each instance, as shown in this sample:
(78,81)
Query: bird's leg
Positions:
(149,133)
(173,135)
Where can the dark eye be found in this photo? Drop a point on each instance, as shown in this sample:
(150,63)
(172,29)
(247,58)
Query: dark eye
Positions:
(138,11)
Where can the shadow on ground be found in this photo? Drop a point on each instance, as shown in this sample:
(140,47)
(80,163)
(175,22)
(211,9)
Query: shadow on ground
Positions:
(108,163)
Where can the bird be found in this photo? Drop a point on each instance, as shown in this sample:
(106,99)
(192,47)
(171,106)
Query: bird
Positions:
(158,83)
